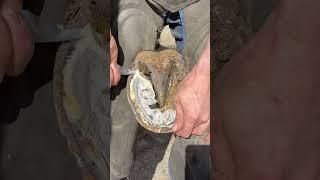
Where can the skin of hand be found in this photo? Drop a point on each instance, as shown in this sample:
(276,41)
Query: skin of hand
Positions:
(193,100)
(15,38)
(114,71)
(266,101)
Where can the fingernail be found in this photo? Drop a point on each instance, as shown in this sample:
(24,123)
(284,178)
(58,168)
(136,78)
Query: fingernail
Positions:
(12,16)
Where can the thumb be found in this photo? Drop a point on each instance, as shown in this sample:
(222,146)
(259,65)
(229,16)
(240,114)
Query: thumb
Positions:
(115,75)
(6,50)
(22,41)
(113,50)
(179,117)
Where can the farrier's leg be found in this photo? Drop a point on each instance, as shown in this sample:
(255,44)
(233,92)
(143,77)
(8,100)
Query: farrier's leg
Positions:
(191,157)
(197,21)
(137,26)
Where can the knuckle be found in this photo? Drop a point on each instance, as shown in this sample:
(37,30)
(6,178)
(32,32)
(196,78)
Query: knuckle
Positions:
(184,135)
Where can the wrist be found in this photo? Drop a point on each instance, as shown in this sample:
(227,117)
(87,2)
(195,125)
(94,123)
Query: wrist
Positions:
(202,68)
(201,79)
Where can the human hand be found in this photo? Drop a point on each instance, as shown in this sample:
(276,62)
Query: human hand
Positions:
(193,100)
(15,39)
(114,71)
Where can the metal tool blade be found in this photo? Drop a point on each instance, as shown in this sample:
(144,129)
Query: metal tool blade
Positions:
(125,71)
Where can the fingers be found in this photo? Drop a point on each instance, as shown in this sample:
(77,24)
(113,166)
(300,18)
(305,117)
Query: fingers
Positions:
(178,124)
(201,129)
(115,75)
(185,127)
(204,131)
(111,77)
(184,122)
(6,50)
(113,50)
(22,41)
(188,123)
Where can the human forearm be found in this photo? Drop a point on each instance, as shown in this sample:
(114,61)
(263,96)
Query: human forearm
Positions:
(202,68)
